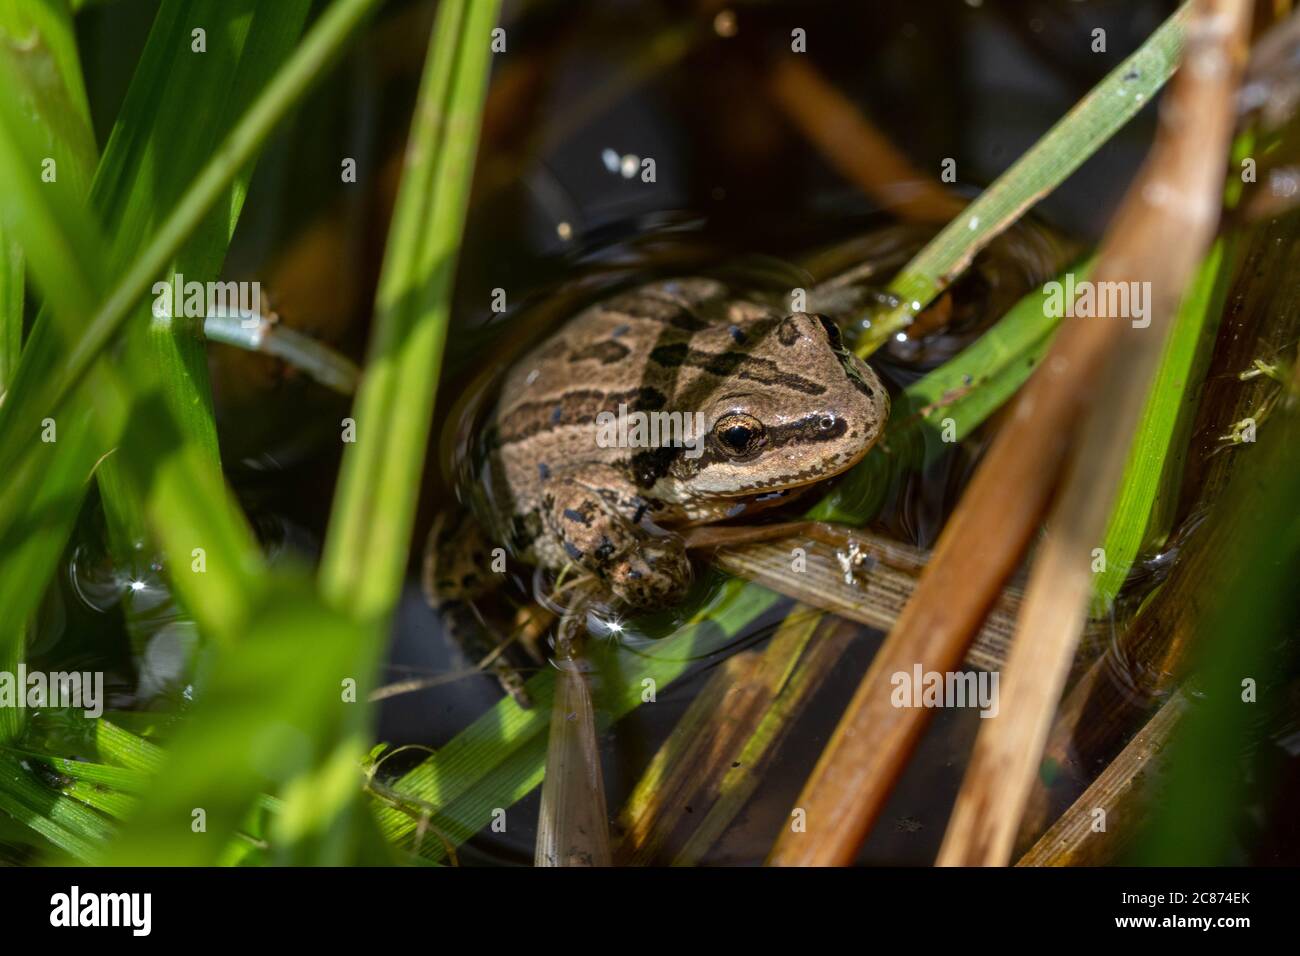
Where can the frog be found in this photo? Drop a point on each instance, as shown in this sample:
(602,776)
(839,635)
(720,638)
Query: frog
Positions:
(781,403)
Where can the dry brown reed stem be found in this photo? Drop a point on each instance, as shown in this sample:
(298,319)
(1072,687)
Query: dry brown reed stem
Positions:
(981,545)
(855,148)
(1160,234)
(1080,837)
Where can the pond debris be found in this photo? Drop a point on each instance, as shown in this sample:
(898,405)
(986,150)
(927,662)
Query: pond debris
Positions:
(854,559)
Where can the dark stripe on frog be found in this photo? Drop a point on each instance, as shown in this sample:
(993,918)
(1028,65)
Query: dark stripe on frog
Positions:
(733,365)
(647,307)
(606,352)
(577,407)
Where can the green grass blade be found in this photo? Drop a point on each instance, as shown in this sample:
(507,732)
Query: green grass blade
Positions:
(283,697)
(49,387)
(1141,513)
(56,229)
(370,527)
(126,749)
(180,103)
(1060,151)
(66,823)
(11,306)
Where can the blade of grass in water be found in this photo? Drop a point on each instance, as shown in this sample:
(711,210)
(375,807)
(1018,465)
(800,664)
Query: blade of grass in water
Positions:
(370,527)
(181,102)
(1140,515)
(1051,160)
(1249,614)
(319,798)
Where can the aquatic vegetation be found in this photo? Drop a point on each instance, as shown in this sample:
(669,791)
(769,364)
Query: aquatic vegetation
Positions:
(1085,428)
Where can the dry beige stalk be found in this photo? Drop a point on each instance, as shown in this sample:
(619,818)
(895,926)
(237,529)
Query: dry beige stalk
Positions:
(572,822)
(1121,791)
(1161,232)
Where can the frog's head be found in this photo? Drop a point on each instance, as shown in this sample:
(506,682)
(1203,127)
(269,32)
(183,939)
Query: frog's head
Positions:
(788,406)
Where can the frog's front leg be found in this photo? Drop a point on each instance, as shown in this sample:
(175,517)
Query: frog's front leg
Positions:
(599,522)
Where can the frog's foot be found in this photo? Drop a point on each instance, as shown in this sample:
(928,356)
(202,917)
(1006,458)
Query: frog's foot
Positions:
(641,566)
(655,573)
(456,560)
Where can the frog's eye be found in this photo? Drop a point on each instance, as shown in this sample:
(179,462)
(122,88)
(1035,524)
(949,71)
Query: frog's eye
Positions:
(739,435)
(832,331)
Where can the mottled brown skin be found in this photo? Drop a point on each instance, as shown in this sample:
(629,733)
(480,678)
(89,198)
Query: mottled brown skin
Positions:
(785,406)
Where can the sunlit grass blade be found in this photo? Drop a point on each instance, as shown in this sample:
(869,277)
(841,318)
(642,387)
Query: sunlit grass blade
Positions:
(1140,514)
(1051,160)
(66,823)
(180,102)
(370,527)
(191,512)
(50,385)
(284,695)
(11,306)
(72,259)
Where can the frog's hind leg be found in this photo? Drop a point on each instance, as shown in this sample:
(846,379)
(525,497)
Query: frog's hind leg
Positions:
(456,572)
(456,560)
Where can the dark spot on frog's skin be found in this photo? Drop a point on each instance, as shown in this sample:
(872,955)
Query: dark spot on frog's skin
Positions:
(578,516)
(737,333)
(606,352)
(543,471)
(787,333)
(647,467)
(557,414)
(832,331)
(605,550)
(572,551)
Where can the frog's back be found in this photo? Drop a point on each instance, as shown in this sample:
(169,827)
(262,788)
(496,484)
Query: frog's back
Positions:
(601,359)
